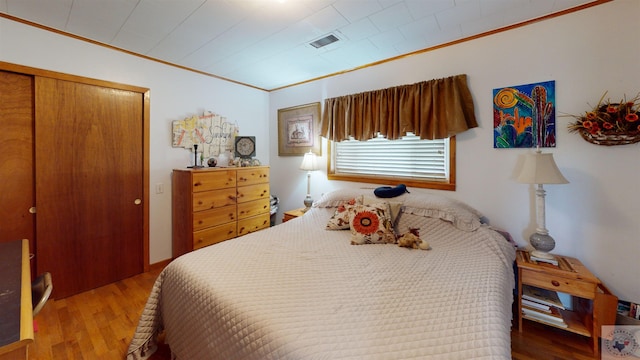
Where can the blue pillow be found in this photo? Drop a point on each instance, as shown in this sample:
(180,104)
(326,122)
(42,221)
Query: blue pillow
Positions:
(389,192)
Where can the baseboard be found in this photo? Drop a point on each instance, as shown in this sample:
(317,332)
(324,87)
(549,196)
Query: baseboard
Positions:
(159,265)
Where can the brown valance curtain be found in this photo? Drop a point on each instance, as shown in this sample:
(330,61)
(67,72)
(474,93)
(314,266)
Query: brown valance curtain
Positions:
(434,109)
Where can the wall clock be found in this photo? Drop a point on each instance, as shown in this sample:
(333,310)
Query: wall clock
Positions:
(245,146)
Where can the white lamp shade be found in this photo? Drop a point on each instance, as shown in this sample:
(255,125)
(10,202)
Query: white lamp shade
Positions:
(539,168)
(309,162)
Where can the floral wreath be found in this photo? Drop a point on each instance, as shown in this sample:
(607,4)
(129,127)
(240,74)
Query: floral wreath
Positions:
(609,118)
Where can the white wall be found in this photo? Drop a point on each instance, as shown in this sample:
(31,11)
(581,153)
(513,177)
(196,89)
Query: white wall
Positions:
(596,217)
(593,218)
(175,94)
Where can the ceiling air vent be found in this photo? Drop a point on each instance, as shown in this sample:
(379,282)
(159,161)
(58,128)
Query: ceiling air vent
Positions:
(329,39)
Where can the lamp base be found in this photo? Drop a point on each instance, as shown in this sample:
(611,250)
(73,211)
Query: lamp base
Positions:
(308,201)
(542,243)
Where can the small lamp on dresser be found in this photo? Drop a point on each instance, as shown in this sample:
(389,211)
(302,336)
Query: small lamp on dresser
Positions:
(309,164)
(539,169)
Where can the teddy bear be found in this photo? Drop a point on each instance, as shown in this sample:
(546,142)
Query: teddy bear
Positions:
(412,240)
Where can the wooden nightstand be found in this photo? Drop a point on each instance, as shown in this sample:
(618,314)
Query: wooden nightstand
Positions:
(292,214)
(593,305)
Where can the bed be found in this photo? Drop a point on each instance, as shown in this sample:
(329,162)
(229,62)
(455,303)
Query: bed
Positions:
(303,290)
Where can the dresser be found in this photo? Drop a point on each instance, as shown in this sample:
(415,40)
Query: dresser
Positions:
(211,205)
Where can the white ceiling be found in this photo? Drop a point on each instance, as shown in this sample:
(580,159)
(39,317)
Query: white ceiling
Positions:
(265,43)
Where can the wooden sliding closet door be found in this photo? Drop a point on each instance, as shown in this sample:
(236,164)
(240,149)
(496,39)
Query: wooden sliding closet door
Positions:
(89,184)
(16,158)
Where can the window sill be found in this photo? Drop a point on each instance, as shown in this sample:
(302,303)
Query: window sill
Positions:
(424,184)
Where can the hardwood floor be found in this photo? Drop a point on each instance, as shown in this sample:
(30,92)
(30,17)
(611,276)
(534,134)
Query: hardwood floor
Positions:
(99,324)
(543,342)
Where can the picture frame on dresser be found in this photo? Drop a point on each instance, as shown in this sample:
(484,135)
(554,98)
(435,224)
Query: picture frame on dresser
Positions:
(299,130)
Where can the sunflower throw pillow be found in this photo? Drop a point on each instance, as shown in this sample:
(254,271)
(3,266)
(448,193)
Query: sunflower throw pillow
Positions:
(371,224)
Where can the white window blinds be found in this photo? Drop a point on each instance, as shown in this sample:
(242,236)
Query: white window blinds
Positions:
(408,157)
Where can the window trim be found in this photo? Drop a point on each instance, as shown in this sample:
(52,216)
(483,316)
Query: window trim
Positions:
(449,185)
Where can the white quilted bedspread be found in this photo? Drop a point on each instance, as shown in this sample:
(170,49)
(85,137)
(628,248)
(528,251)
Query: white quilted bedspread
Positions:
(298,291)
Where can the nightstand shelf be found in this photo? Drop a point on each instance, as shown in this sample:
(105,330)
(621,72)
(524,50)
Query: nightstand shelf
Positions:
(292,214)
(593,305)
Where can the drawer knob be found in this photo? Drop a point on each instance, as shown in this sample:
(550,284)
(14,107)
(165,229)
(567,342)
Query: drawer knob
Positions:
(555,283)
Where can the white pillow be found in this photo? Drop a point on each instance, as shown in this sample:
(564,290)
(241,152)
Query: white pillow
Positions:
(336,198)
(461,215)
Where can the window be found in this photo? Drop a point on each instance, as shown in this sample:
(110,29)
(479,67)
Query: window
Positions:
(411,161)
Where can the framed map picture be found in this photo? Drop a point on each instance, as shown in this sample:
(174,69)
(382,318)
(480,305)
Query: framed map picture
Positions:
(299,130)
(211,132)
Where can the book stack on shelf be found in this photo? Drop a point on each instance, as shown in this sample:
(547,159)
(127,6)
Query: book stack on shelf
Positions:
(543,306)
(556,262)
(553,261)
(628,313)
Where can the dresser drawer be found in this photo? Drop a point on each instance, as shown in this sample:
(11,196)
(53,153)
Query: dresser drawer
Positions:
(253,208)
(211,180)
(214,235)
(252,176)
(208,218)
(208,203)
(253,192)
(575,287)
(213,199)
(252,224)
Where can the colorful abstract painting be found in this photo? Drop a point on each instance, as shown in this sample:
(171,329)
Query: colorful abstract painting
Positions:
(524,116)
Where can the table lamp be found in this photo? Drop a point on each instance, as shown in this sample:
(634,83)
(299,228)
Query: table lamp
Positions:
(539,169)
(309,164)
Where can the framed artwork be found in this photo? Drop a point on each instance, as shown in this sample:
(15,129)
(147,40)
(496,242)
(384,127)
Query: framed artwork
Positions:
(213,134)
(299,130)
(524,116)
